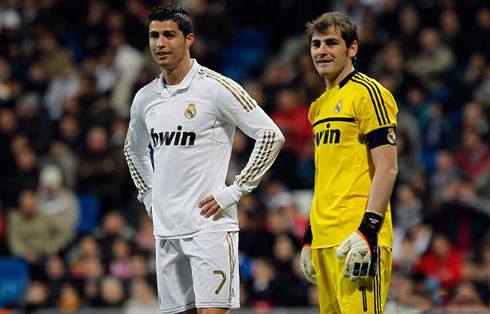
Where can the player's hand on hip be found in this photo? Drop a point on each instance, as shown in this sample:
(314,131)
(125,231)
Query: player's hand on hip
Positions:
(361,248)
(210,208)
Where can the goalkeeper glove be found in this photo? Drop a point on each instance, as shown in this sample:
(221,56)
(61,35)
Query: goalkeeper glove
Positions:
(362,248)
(306,265)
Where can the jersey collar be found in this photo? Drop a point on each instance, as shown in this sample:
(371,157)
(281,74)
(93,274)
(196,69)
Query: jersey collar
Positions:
(347,78)
(185,82)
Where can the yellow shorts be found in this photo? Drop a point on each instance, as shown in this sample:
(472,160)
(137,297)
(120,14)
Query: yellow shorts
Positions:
(338,294)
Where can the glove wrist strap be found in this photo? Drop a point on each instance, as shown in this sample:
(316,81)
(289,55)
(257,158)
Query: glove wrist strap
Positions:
(308,237)
(370,224)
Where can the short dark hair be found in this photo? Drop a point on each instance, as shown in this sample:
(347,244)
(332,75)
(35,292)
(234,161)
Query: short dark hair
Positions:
(347,27)
(177,14)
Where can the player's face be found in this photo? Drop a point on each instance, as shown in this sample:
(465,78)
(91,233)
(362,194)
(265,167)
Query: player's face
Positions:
(168,45)
(330,53)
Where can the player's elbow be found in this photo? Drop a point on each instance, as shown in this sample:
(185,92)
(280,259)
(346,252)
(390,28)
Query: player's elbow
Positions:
(393,171)
(280,138)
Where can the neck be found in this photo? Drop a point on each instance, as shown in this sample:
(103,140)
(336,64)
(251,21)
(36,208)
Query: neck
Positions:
(176,75)
(336,80)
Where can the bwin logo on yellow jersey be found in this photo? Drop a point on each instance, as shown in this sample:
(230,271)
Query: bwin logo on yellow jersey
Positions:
(328,136)
(191,111)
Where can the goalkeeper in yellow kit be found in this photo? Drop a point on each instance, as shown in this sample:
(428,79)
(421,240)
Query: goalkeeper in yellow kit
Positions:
(347,249)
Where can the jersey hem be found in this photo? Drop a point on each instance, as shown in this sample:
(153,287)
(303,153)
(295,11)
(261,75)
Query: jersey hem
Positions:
(232,306)
(218,228)
(179,309)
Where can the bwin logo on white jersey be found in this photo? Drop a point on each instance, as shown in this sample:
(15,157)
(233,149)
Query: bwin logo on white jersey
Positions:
(176,138)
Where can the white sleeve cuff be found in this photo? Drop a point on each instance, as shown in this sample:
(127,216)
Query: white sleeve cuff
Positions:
(228,196)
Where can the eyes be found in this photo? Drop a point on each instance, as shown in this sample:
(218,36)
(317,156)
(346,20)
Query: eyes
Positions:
(166,34)
(330,42)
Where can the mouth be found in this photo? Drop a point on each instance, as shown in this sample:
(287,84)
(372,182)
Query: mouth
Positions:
(324,61)
(162,54)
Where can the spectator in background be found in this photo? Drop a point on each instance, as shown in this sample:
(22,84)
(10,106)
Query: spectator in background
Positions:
(291,116)
(113,226)
(466,298)
(112,293)
(62,86)
(53,57)
(473,155)
(56,276)
(142,300)
(443,263)
(433,62)
(31,233)
(58,202)
(69,298)
(37,296)
(97,172)
(446,172)
(120,259)
(61,155)
(33,123)
(86,248)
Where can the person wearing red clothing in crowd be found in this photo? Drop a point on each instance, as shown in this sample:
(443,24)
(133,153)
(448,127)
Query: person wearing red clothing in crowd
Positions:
(473,157)
(442,262)
(292,118)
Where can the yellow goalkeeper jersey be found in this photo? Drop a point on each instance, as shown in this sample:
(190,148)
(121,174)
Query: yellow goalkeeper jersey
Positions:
(348,120)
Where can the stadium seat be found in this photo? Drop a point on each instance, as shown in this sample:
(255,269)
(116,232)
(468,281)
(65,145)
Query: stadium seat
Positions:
(89,212)
(14,278)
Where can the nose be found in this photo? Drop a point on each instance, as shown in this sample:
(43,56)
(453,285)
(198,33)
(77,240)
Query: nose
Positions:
(161,41)
(323,49)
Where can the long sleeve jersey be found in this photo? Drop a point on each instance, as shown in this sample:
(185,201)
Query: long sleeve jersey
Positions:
(190,127)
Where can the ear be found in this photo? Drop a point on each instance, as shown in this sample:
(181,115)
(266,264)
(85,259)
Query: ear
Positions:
(189,40)
(352,51)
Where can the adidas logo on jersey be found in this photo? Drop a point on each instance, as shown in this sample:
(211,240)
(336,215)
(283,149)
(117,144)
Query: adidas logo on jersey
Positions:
(328,136)
(176,138)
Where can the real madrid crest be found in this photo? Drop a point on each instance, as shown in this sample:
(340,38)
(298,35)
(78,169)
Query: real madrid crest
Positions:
(338,106)
(191,111)
(391,137)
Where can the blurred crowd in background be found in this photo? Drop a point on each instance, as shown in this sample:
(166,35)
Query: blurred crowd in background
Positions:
(69,71)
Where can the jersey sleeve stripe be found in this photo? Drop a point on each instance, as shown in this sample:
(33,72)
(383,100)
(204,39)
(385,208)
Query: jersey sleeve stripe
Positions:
(239,94)
(383,106)
(262,162)
(372,99)
(377,96)
(236,87)
(242,178)
(137,178)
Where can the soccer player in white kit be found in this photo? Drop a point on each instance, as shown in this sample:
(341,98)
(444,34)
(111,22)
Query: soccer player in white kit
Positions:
(189,114)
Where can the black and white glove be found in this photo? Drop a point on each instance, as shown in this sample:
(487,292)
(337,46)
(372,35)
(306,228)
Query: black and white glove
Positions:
(361,248)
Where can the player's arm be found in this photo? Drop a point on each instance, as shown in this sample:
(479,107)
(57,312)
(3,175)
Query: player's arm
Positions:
(361,247)
(385,172)
(237,107)
(137,156)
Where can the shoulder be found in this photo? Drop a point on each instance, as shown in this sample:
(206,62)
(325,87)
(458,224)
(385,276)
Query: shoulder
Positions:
(368,86)
(215,79)
(227,89)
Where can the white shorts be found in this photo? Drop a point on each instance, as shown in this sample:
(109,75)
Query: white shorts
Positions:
(198,272)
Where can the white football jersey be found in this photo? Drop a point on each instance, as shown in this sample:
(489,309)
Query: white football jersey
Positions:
(191,128)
